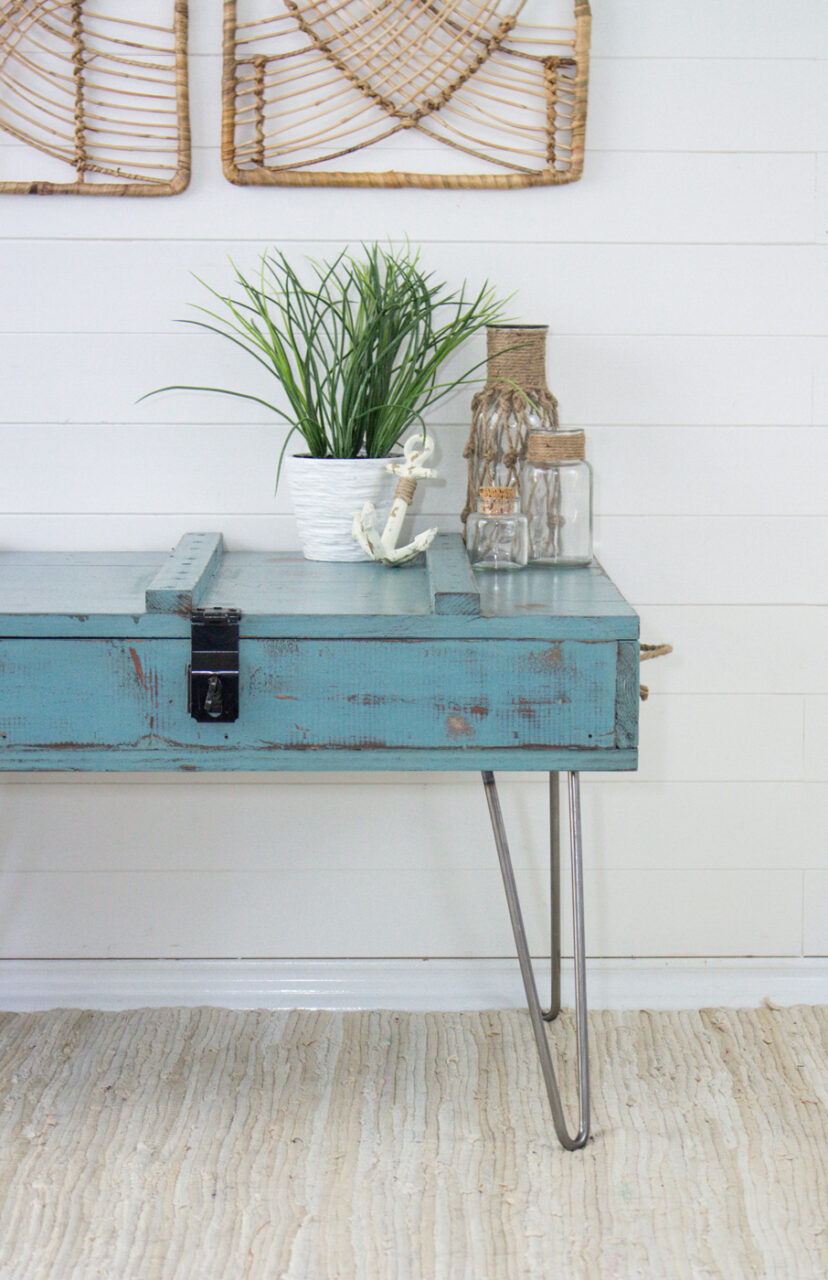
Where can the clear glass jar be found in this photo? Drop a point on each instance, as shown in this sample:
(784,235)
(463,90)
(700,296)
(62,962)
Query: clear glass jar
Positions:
(556,493)
(497,534)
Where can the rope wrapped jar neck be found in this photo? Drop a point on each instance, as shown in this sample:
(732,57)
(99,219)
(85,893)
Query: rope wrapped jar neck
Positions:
(561,446)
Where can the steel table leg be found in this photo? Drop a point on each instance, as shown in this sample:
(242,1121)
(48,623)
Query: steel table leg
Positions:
(554,1009)
(536,1013)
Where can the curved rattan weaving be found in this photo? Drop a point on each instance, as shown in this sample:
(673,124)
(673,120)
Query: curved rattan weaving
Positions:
(94,96)
(328,92)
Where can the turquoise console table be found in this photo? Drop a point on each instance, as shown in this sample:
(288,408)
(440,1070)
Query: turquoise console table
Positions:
(210,660)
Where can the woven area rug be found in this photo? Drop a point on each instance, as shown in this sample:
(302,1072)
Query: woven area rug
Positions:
(220,1145)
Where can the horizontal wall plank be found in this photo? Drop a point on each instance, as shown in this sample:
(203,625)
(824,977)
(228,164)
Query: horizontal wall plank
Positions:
(697,825)
(720,912)
(658,197)
(646,104)
(820,376)
(727,737)
(399,913)
(643,104)
(599,379)
(815,933)
(226,826)
(707,29)
(648,29)
(706,104)
(716,559)
(737,648)
(750,471)
(615,380)
(816,737)
(154,468)
(598,289)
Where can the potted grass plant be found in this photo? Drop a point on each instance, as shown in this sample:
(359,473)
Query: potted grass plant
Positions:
(358,347)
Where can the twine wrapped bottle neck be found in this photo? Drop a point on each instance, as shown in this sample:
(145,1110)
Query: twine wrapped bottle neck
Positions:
(514,402)
(555,446)
(516,358)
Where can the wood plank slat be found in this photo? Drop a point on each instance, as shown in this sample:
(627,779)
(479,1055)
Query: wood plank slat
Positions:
(451,581)
(626,695)
(319,703)
(184,578)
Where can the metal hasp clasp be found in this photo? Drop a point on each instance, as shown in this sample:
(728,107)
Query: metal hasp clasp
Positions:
(213,673)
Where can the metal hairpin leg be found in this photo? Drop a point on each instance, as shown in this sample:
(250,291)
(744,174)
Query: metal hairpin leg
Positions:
(536,1012)
(550,1014)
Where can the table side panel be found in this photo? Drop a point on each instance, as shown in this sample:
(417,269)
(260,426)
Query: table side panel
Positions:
(81,701)
(627,688)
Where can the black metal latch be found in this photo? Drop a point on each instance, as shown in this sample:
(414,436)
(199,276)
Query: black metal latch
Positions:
(213,673)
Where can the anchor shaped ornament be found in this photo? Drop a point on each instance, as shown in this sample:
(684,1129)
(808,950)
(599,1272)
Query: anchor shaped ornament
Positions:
(382,547)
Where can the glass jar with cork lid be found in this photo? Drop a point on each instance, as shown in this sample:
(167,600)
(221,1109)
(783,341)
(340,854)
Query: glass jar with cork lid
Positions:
(556,493)
(497,535)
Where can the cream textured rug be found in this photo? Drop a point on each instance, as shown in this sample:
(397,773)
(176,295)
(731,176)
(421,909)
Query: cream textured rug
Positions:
(219,1145)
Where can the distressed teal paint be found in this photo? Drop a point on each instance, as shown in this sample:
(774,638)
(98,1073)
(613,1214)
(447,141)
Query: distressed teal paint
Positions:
(52,592)
(89,594)
(300,626)
(183,579)
(314,694)
(453,586)
(542,678)
(627,695)
(221,759)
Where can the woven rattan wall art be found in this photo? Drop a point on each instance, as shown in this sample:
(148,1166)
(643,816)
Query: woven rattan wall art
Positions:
(322,90)
(93,95)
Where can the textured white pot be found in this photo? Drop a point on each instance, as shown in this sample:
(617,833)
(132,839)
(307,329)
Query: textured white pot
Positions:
(327,493)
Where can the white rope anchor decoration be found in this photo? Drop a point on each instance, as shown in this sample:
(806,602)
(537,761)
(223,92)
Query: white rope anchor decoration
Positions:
(382,547)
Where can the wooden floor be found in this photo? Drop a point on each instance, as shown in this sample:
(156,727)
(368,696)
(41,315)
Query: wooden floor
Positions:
(221,1145)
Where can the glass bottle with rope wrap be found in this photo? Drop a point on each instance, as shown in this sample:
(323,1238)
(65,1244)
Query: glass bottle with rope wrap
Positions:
(514,402)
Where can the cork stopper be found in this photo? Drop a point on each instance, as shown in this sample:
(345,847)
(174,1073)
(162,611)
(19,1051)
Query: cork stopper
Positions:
(556,446)
(516,356)
(497,499)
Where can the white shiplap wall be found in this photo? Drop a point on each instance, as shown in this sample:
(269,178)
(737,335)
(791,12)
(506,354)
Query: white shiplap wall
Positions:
(684,280)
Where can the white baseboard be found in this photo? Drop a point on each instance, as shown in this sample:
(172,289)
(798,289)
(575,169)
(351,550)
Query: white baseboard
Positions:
(402,984)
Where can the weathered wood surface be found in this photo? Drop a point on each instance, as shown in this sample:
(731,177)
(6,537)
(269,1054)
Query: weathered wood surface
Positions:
(76,699)
(185,576)
(342,666)
(626,696)
(452,583)
(146,758)
(280,593)
(71,588)
(284,584)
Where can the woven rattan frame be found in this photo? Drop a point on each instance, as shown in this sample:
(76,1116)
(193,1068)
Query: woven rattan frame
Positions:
(91,91)
(421,97)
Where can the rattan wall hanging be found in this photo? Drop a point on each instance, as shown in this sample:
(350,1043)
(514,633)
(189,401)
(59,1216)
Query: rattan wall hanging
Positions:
(93,95)
(322,91)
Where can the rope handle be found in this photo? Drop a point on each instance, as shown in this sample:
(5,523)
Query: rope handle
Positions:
(651,651)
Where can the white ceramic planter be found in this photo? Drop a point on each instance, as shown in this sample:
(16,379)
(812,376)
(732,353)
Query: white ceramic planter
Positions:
(327,493)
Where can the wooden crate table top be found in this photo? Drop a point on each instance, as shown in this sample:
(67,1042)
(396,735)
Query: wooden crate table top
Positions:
(341,666)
